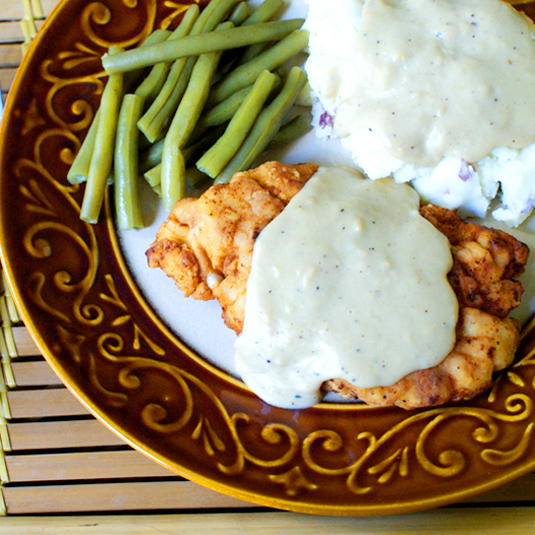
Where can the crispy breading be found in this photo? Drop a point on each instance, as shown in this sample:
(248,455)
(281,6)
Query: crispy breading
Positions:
(206,246)
(486,262)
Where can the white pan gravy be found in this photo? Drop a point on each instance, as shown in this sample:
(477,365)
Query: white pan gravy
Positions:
(348,281)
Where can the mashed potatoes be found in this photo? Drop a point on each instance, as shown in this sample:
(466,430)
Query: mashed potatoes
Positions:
(440,96)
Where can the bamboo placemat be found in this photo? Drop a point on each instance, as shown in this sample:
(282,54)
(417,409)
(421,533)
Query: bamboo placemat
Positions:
(55,458)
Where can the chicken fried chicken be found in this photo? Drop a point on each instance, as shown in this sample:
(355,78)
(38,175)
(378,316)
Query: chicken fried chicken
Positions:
(485,344)
(206,246)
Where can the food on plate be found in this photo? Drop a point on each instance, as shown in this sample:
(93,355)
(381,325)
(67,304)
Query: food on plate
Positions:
(167,113)
(206,245)
(437,93)
(209,246)
(485,344)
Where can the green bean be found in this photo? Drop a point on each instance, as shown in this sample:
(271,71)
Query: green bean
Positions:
(212,15)
(215,159)
(240,13)
(192,174)
(164,104)
(101,160)
(246,74)
(221,113)
(186,24)
(173,176)
(193,151)
(252,52)
(266,126)
(153,156)
(305,97)
(127,203)
(187,114)
(225,110)
(80,166)
(157,117)
(263,13)
(153,175)
(157,36)
(195,45)
(293,129)
(153,84)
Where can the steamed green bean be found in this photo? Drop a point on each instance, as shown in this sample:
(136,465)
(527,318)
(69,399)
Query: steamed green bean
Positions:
(153,156)
(240,13)
(262,13)
(224,111)
(80,166)
(154,122)
(266,126)
(265,11)
(195,45)
(246,74)
(165,102)
(293,129)
(152,85)
(173,166)
(214,12)
(102,158)
(127,203)
(157,36)
(153,176)
(192,174)
(215,159)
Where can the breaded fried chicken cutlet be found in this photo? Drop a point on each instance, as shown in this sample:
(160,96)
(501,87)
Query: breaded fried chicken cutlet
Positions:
(206,246)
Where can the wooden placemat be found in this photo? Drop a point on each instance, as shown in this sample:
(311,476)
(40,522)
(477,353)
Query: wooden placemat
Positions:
(56,458)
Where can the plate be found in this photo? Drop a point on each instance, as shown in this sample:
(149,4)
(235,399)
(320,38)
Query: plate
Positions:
(80,300)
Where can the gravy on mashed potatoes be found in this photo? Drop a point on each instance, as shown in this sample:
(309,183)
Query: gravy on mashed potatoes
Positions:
(438,92)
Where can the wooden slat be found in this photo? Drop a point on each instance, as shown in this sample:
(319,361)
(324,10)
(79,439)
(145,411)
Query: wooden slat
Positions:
(40,403)
(24,342)
(11,54)
(11,31)
(6,77)
(153,495)
(65,434)
(13,9)
(79,466)
(36,373)
(498,521)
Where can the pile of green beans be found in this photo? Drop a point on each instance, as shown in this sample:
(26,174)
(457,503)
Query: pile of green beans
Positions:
(215,95)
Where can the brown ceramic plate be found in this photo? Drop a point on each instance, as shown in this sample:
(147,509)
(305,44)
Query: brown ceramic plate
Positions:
(97,331)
